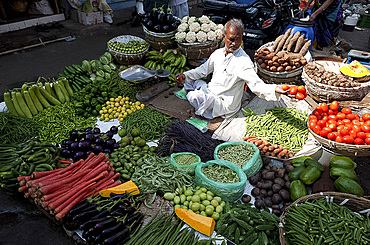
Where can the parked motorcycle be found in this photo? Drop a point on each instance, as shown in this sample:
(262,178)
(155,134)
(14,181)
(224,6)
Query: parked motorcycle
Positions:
(264,20)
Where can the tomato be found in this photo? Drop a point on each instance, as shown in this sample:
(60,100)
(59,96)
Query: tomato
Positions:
(357,116)
(312,117)
(299,96)
(331,121)
(365,128)
(366,116)
(353,133)
(332,127)
(330,112)
(357,128)
(340,122)
(367,140)
(317,114)
(348,139)
(331,136)
(343,132)
(346,110)
(317,129)
(356,122)
(367,122)
(334,105)
(324,107)
(359,141)
(318,109)
(346,121)
(335,112)
(340,127)
(325,118)
(341,115)
(351,116)
(339,139)
(324,133)
(293,90)
(321,123)
(312,124)
(334,117)
(285,87)
(361,135)
(302,89)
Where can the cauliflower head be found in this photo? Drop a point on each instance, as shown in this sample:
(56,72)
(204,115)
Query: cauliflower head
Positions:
(194,27)
(218,34)
(192,20)
(211,36)
(220,26)
(205,27)
(185,19)
(182,27)
(204,19)
(190,37)
(180,37)
(202,36)
(213,26)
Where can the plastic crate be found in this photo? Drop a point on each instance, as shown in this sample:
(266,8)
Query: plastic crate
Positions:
(365,21)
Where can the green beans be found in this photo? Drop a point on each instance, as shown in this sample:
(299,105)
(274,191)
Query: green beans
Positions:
(185,159)
(157,174)
(282,126)
(221,174)
(150,122)
(17,129)
(238,154)
(319,222)
(57,121)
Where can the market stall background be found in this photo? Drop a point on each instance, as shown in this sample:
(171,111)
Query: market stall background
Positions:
(88,45)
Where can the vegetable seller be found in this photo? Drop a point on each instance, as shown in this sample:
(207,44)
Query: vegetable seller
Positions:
(232,68)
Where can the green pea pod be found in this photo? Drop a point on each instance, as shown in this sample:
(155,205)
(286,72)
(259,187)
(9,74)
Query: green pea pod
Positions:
(310,175)
(297,189)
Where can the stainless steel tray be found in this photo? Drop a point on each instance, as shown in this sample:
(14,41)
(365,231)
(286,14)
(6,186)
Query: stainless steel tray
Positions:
(138,74)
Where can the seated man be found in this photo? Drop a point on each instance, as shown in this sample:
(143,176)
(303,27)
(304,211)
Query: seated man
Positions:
(232,68)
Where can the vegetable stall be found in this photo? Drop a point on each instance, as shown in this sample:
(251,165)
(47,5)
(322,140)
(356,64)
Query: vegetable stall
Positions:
(87,148)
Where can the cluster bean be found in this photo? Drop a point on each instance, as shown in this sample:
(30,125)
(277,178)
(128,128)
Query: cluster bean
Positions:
(322,222)
(238,154)
(282,126)
(221,174)
(157,174)
(57,121)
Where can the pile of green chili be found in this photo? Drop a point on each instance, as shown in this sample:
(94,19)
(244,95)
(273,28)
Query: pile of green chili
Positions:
(221,174)
(57,121)
(157,174)
(239,154)
(322,222)
(282,126)
(17,129)
(150,122)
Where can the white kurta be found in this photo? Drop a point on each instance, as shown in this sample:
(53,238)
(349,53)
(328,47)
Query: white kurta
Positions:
(230,74)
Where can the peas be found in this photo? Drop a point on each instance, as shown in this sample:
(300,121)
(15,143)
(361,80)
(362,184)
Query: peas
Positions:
(238,154)
(221,174)
(185,159)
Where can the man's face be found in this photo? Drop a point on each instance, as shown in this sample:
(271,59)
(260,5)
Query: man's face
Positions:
(233,39)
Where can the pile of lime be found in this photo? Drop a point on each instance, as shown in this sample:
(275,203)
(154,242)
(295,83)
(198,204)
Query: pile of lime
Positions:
(200,201)
(119,108)
(131,47)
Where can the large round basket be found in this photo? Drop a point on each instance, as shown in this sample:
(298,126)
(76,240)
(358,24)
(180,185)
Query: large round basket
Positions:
(350,150)
(292,77)
(352,202)
(160,41)
(326,93)
(198,51)
(127,59)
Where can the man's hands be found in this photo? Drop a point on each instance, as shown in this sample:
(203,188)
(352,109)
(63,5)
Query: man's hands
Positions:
(179,77)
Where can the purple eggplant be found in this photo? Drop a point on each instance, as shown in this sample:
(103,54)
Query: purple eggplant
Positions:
(107,151)
(121,236)
(109,143)
(91,223)
(74,146)
(109,134)
(65,153)
(116,146)
(114,129)
(83,145)
(136,224)
(96,131)
(97,149)
(111,231)
(78,155)
(99,141)
(89,137)
(74,135)
(106,223)
(89,129)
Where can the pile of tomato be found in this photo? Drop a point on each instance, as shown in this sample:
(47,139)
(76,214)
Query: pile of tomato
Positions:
(299,92)
(341,126)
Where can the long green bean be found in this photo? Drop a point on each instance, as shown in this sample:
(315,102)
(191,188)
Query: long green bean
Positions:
(282,126)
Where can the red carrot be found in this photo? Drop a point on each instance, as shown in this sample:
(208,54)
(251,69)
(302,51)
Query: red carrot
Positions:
(23,188)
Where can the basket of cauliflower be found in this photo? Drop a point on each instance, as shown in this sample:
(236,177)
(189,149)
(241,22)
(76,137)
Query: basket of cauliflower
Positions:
(197,38)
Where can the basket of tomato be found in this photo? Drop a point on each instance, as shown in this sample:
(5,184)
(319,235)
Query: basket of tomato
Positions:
(341,130)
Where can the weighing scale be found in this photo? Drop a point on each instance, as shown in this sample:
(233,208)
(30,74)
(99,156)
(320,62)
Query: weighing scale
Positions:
(360,56)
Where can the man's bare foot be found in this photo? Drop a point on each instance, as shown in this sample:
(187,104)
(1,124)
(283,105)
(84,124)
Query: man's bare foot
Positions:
(191,112)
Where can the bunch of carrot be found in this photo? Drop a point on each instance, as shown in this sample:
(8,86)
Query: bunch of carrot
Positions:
(59,190)
(267,149)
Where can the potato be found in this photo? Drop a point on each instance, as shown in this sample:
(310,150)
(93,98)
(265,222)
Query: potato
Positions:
(276,64)
(269,56)
(288,68)
(260,61)
(268,67)
(275,58)
(297,64)
(270,63)
(303,61)
(281,60)
(273,68)
(263,65)
(294,67)
(285,64)
(280,69)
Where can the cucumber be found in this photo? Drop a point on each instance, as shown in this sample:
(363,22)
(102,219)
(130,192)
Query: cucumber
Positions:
(42,99)
(64,91)
(349,186)
(342,162)
(59,93)
(49,89)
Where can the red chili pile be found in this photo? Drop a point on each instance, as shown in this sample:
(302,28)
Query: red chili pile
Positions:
(341,126)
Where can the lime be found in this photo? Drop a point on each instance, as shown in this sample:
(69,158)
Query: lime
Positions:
(198,192)
(177,206)
(203,213)
(186,203)
(203,189)
(188,192)
(189,198)
(135,132)
(210,193)
(218,199)
(209,211)
(209,197)
(202,207)
(122,132)
(223,203)
(214,203)
(206,203)
(203,196)
(196,198)
(215,216)
(195,206)
(219,209)
(182,198)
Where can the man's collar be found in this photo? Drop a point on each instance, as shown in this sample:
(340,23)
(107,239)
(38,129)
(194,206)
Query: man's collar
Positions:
(236,51)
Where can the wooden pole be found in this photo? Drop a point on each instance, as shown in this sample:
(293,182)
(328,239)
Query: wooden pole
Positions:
(34,45)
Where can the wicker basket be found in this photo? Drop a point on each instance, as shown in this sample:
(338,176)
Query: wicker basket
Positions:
(198,51)
(160,41)
(350,150)
(292,77)
(127,59)
(350,201)
(326,93)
